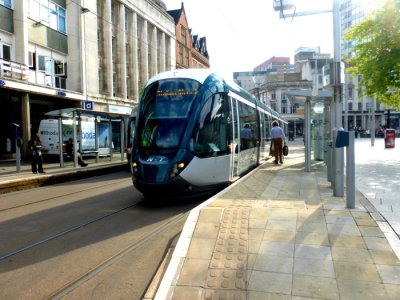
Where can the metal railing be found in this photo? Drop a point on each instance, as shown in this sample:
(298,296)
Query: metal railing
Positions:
(14,70)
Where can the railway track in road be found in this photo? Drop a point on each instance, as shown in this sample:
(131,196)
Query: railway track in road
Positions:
(70,286)
(92,239)
(65,194)
(65,232)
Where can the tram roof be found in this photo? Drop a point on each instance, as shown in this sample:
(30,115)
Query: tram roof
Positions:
(202,75)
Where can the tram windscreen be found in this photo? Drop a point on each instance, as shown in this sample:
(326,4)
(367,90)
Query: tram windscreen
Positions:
(164,112)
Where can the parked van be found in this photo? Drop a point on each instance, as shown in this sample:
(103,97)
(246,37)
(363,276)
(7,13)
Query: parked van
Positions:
(49,135)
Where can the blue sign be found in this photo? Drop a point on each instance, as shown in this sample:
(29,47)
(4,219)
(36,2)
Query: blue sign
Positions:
(88,105)
(60,93)
(2,82)
(342,139)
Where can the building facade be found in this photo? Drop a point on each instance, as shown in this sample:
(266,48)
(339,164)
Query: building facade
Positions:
(251,79)
(308,63)
(61,53)
(280,64)
(255,79)
(191,50)
(356,105)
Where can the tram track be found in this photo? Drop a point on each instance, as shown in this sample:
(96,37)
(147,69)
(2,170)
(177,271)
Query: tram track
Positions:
(66,194)
(73,284)
(102,243)
(65,232)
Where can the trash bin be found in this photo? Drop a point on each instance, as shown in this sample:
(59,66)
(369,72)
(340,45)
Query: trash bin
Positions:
(390,136)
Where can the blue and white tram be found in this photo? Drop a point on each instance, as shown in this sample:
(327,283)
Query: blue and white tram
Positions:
(195,134)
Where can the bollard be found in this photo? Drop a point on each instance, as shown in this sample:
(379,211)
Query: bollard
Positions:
(350,173)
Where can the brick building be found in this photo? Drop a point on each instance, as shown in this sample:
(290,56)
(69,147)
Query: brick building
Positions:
(191,50)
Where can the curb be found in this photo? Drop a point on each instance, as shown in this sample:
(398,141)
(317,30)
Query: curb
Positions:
(48,179)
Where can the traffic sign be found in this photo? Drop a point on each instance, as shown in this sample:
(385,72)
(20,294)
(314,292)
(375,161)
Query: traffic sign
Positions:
(88,105)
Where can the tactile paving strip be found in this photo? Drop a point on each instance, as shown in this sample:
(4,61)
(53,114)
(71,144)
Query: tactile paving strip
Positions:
(227,276)
(231,246)
(229,261)
(223,295)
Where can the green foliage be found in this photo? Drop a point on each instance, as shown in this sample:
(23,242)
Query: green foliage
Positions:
(376,54)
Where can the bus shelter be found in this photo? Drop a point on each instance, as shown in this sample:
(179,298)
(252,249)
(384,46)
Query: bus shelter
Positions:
(317,123)
(95,132)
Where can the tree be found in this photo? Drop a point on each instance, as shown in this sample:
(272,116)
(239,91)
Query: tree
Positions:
(376,54)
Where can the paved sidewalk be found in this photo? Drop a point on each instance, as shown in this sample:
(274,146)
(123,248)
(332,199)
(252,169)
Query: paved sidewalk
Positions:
(378,178)
(280,234)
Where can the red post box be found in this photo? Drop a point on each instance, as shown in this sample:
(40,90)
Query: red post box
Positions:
(390,136)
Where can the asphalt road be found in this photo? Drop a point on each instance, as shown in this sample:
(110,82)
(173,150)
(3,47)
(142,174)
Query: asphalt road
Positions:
(87,239)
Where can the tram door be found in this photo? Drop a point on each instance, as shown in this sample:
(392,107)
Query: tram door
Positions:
(235,139)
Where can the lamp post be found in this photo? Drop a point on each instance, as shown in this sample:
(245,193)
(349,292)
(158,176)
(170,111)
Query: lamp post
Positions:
(336,118)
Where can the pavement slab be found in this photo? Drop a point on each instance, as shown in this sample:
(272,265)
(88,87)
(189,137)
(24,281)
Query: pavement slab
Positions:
(288,238)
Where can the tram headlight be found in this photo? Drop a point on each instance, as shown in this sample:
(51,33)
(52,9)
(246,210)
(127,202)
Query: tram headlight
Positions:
(176,169)
(134,167)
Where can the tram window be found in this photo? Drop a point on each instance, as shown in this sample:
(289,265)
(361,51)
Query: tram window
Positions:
(164,112)
(248,124)
(211,135)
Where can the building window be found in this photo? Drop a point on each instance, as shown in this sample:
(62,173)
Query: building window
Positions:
(359,106)
(350,106)
(294,108)
(187,58)
(351,93)
(49,14)
(183,35)
(50,72)
(284,107)
(283,95)
(5,51)
(181,55)
(273,95)
(6,3)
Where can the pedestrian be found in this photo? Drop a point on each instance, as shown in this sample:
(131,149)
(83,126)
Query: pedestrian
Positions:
(245,136)
(356,131)
(69,148)
(34,146)
(291,135)
(278,139)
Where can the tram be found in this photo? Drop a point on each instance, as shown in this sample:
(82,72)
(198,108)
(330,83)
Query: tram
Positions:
(196,134)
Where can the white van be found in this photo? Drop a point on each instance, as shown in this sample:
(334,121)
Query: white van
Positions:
(49,135)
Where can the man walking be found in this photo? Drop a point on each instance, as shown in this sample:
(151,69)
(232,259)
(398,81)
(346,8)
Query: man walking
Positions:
(278,139)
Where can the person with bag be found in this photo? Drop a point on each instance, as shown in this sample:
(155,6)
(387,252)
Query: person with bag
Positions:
(278,140)
(69,148)
(34,146)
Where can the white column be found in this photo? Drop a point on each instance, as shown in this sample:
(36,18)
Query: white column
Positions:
(135,68)
(21,56)
(21,31)
(107,29)
(145,54)
(170,53)
(153,49)
(122,52)
(83,57)
(163,53)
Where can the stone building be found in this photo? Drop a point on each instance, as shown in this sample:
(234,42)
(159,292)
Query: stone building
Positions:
(58,54)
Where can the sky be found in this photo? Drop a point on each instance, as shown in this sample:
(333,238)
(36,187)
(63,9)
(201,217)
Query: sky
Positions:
(243,34)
